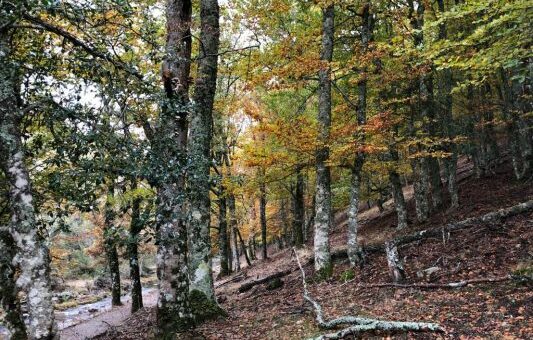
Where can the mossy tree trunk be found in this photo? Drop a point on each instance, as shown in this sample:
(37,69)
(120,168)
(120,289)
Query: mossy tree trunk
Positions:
(169,144)
(8,291)
(32,256)
(199,158)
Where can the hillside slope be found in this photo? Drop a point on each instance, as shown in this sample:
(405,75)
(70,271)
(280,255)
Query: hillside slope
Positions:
(492,310)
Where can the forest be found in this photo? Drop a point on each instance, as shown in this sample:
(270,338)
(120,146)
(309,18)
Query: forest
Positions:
(266,169)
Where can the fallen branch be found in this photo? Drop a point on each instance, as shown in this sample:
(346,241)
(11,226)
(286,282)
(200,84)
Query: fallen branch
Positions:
(452,285)
(454,226)
(249,285)
(359,324)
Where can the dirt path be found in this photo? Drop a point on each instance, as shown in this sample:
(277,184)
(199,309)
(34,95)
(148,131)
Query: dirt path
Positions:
(108,318)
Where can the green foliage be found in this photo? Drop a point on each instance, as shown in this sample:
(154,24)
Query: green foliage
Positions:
(347,275)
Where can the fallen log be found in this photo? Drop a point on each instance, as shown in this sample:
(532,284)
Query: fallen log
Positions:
(359,324)
(249,285)
(514,210)
(449,285)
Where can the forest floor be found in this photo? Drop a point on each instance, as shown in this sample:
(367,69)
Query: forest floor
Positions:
(489,311)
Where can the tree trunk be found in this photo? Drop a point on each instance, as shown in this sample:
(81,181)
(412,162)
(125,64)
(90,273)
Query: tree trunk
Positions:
(136,226)
(421,189)
(236,255)
(223,234)
(393,260)
(232,225)
(251,246)
(450,163)
(200,159)
(32,256)
(355,254)
(173,309)
(8,292)
(298,210)
(399,200)
(284,221)
(323,214)
(262,215)
(243,247)
(110,240)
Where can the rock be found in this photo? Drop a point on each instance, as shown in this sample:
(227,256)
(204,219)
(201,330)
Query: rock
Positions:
(428,274)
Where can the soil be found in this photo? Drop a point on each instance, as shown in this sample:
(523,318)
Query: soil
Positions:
(485,311)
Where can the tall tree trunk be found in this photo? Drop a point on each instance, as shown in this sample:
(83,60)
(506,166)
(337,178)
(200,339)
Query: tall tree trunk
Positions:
(299,210)
(110,241)
(200,160)
(355,254)
(136,226)
(173,309)
(323,214)
(32,256)
(450,163)
(236,254)
(8,291)
(223,234)
(262,215)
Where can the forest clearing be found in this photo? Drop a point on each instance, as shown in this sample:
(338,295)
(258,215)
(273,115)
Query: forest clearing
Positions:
(266,169)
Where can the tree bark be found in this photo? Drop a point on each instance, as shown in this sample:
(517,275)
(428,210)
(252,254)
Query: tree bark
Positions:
(396,270)
(355,254)
(8,291)
(323,213)
(110,241)
(173,309)
(32,255)
(136,226)
(200,154)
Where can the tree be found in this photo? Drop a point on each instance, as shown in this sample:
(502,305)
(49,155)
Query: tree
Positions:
(323,213)
(169,147)
(200,159)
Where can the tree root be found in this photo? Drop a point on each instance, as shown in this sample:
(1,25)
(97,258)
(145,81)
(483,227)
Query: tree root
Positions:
(359,324)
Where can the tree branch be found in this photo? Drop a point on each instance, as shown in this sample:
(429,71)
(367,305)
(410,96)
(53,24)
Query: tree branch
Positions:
(81,44)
